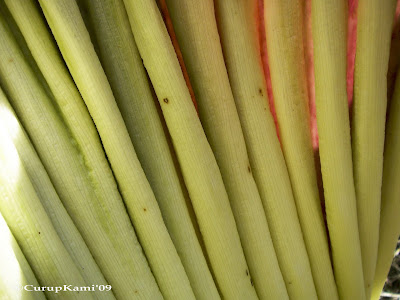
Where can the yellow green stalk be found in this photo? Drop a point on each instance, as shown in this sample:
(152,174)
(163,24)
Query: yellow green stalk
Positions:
(206,68)
(199,167)
(374,27)
(15,271)
(389,229)
(239,36)
(75,45)
(78,169)
(284,32)
(32,228)
(59,217)
(329,32)
(8,18)
(118,53)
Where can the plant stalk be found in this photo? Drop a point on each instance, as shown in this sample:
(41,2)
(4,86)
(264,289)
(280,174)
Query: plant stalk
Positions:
(374,26)
(79,170)
(123,66)
(73,39)
(329,32)
(389,229)
(199,167)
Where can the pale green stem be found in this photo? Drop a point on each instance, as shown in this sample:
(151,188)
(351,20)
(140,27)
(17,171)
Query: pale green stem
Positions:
(241,47)
(8,18)
(32,228)
(199,167)
(54,208)
(389,229)
(118,53)
(81,177)
(284,33)
(329,32)
(74,42)
(374,27)
(15,271)
(207,72)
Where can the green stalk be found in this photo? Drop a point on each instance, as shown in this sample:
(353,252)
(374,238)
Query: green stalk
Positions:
(8,18)
(329,32)
(389,229)
(32,228)
(79,171)
(221,122)
(66,23)
(15,271)
(59,217)
(207,72)
(374,27)
(118,53)
(284,32)
(199,167)
(239,36)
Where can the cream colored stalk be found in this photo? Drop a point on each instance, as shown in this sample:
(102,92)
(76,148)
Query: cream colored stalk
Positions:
(206,68)
(59,217)
(123,66)
(15,271)
(329,32)
(200,170)
(374,27)
(80,174)
(32,228)
(390,207)
(66,23)
(284,32)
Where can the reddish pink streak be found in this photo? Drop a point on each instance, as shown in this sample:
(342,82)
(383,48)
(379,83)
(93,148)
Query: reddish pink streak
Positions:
(174,40)
(264,56)
(309,60)
(351,48)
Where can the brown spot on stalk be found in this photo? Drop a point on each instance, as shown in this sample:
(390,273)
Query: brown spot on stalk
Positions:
(39,232)
(10,60)
(260,92)
(166,100)
(249,169)
(145,209)
(174,40)
(251,281)
(247,273)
